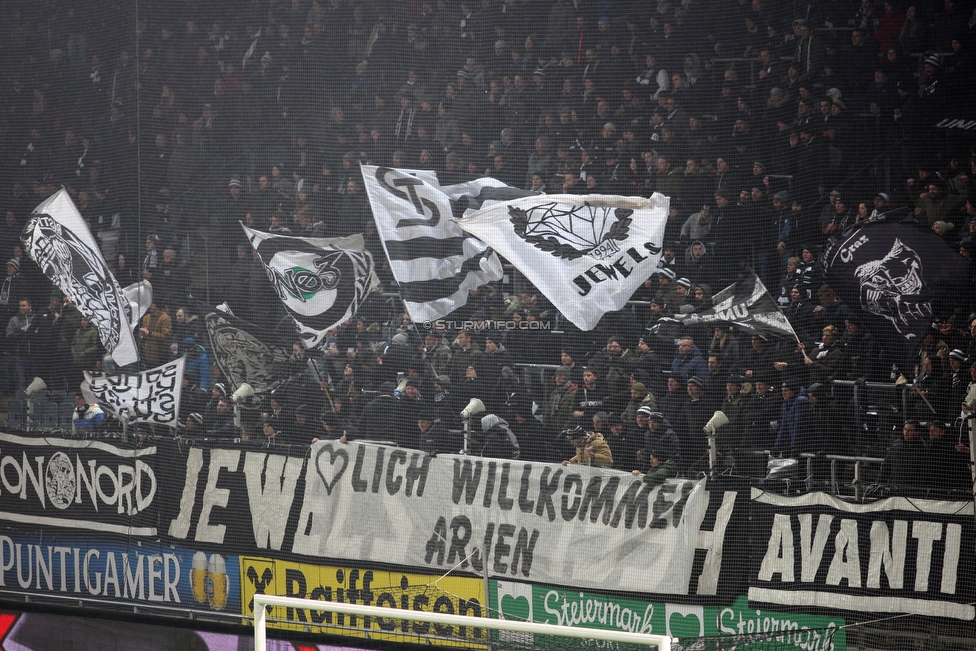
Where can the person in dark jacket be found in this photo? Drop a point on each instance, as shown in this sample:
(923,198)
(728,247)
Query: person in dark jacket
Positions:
(660,439)
(406,413)
(947,463)
(623,444)
(223,426)
(793,414)
(377,421)
(905,460)
(496,440)
(590,398)
(762,420)
(689,361)
(694,413)
(434,436)
(670,402)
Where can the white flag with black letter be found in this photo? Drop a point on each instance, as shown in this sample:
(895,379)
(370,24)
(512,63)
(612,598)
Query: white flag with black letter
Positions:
(321,281)
(152,396)
(587,253)
(58,240)
(434,262)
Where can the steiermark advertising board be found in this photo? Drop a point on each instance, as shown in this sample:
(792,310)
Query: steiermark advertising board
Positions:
(748,627)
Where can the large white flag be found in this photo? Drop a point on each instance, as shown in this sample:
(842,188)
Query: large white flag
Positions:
(152,396)
(321,281)
(434,262)
(58,240)
(587,253)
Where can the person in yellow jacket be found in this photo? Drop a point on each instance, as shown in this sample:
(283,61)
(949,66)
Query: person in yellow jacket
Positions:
(591,448)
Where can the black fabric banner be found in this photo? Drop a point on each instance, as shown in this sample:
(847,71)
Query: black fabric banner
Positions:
(897,277)
(892,556)
(83,485)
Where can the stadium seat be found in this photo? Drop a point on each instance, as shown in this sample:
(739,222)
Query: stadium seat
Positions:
(47,418)
(16,414)
(66,415)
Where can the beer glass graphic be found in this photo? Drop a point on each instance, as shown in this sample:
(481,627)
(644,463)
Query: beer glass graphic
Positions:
(198,578)
(217,582)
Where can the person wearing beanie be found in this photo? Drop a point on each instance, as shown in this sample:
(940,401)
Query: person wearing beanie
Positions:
(658,442)
(943,229)
(958,380)
(639,397)
(882,203)
(692,416)
(647,365)
(591,449)
(567,358)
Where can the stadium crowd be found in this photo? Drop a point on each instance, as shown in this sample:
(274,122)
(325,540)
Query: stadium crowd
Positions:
(169,125)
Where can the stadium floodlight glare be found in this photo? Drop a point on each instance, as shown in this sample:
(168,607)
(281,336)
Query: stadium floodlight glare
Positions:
(261,601)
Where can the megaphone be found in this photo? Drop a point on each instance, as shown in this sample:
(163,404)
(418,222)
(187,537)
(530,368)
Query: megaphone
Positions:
(717,420)
(475,406)
(242,392)
(37,384)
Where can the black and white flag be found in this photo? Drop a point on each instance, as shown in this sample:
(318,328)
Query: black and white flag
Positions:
(152,396)
(321,281)
(58,240)
(244,358)
(588,254)
(746,304)
(434,262)
(898,276)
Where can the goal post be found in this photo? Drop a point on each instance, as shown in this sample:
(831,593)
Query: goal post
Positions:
(261,602)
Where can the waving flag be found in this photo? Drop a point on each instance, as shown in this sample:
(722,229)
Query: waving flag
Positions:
(899,276)
(243,357)
(57,238)
(746,304)
(434,262)
(587,254)
(320,281)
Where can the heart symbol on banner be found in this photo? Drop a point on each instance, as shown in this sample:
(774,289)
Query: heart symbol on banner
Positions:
(515,608)
(334,456)
(684,626)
